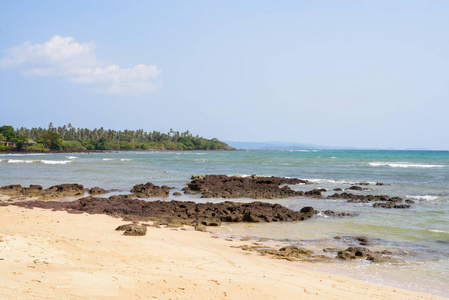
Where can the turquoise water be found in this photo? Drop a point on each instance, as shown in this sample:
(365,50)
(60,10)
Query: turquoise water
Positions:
(421,232)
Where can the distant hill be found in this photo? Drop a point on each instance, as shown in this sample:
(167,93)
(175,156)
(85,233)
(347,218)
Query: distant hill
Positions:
(282,146)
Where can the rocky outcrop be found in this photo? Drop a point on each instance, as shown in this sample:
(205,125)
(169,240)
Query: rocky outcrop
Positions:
(290,253)
(150,190)
(391,205)
(383,201)
(358,188)
(11,190)
(209,214)
(53,192)
(293,253)
(255,187)
(364,253)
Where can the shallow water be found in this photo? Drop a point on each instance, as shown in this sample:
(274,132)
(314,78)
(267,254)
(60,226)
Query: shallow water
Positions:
(422,176)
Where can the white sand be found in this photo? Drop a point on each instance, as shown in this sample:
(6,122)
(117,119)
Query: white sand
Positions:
(56,255)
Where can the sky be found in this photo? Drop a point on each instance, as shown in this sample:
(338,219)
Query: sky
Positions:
(366,74)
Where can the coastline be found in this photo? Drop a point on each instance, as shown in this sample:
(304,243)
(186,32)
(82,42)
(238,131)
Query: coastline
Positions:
(52,254)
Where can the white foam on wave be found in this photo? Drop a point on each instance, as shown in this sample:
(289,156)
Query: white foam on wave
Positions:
(423,197)
(28,154)
(403,165)
(107,158)
(302,150)
(21,161)
(46,162)
(320,214)
(125,159)
(56,162)
(342,181)
(319,180)
(71,157)
(438,231)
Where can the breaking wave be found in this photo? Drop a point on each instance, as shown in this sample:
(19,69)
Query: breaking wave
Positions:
(403,165)
(45,162)
(21,161)
(319,180)
(56,162)
(438,231)
(423,197)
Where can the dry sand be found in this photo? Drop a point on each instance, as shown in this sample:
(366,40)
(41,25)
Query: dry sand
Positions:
(55,255)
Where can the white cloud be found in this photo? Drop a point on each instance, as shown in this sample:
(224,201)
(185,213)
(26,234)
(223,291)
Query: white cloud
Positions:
(62,57)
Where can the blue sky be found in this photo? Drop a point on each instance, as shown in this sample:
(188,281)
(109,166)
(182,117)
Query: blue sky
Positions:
(341,73)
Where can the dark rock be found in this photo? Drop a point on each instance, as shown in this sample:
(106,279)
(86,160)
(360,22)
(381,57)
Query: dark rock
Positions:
(391,205)
(11,190)
(331,250)
(363,253)
(353,253)
(186,190)
(35,187)
(210,213)
(56,191)
(200,227)
(308,212)
(177,194)
(316,193)
(331,213)
(222,186)
(136,230)
(125,227)
(384,200)
(362,183)
(293,251)
(338,189)
(150,190)
(97,191)
(363,240)
(355,188)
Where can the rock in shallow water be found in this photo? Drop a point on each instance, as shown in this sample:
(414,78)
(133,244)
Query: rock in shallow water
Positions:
(53,192)
(364,253)
(150,190)
(255,187)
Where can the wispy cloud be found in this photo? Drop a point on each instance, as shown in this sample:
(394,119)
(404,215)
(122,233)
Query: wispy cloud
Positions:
(77,62)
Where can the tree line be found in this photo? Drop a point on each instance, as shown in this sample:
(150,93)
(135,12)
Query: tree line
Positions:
(69,138)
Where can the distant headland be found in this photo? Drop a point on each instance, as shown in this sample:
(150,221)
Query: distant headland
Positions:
(71,139)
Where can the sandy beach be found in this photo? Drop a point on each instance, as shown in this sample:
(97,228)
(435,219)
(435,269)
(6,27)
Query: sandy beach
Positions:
(56,255)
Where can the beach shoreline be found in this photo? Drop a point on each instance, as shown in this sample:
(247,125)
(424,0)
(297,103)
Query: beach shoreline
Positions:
(52,254)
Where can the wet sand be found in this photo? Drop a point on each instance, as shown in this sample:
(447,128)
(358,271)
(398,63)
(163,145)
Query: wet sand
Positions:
(55,255)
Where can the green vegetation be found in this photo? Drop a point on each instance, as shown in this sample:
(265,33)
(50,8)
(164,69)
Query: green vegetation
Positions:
(69,138)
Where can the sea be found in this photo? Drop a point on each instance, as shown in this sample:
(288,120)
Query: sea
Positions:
(418,237)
